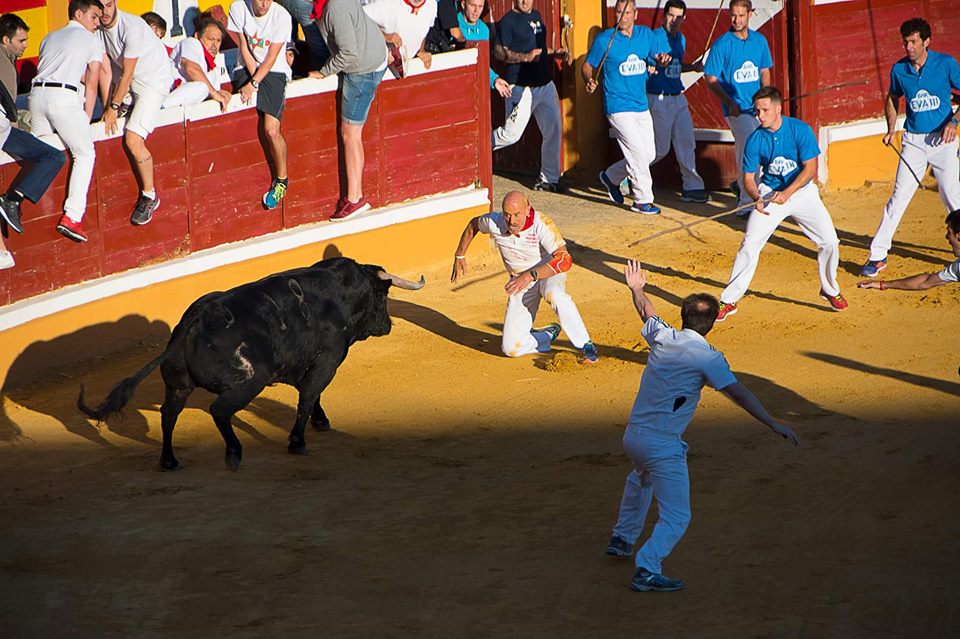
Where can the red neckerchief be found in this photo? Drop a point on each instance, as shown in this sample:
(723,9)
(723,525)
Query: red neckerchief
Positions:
(413,8)
(527,223)
(318,6)
(209,59)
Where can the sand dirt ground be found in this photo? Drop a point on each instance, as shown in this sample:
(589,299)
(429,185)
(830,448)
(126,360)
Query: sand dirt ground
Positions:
(466,494)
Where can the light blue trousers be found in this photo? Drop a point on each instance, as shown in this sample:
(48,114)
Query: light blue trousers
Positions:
(660,470)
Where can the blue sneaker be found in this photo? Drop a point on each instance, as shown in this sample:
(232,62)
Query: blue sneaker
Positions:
(619,547)
(646,581)
(272,197)
(873,267)
(646,209)
(613,190)
(590,355)
(552,331)
(698,195)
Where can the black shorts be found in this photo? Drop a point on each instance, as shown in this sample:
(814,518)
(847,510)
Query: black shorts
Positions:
(272,94)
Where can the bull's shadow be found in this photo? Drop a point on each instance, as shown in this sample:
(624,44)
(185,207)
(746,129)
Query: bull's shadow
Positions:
(439,324)
(941,385)
(785,403)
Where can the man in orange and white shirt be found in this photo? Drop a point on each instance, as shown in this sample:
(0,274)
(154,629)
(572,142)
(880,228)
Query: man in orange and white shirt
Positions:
(537,260)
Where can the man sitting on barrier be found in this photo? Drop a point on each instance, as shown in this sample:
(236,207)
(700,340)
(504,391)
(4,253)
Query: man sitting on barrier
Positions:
(196,62)
(405,24)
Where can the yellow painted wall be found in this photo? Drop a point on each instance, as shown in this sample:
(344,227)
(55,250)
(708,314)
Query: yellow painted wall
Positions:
(403,249)
(584,128)
(853,162)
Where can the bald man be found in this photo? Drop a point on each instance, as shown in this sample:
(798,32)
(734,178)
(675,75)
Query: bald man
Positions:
(537,260)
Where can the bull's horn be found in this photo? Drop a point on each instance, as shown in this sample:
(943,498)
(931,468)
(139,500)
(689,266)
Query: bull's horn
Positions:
(402,283)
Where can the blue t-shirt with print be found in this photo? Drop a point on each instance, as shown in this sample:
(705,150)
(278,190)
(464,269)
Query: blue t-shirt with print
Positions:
(927,91)
(737,64)
(524,32)
(625,69)
(475,32)
(781,153)
(668,81)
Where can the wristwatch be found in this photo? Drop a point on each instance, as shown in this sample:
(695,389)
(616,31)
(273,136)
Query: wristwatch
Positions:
(255,84)
(954,120)
(114,106)
(533,274)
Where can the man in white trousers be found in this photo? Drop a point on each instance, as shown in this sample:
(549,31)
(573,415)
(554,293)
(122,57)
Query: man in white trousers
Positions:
(629,54)
(537,260)
(521,43)
(62,99)
(672,123)
(680,364)
(924,79)
(737,66)
(195,60)
(785,151)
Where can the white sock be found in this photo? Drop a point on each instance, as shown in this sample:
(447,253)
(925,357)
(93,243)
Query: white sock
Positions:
(149,194)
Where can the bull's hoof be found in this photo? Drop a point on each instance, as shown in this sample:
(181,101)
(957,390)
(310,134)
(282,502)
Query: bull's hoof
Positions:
(169,464)
(232,461)
(297,449)
(322,425)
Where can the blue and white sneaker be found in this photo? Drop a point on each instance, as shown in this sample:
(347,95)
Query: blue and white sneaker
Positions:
(590,355)
(619,547)
(273,197)
(646,581)
(646,209)
(613,190)
(695,195)
(552,331)
(873,267)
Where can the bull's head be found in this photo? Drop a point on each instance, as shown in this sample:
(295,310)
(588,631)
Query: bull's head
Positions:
(375,317)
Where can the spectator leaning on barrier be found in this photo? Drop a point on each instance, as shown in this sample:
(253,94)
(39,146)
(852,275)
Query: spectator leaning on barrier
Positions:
(445,34)
(474,29)
(138,64)
(156,23)
(62,99)
(405,24)
(196,62)
(521,42)
(301,11)
(263,29)
(46,160)
(358,52)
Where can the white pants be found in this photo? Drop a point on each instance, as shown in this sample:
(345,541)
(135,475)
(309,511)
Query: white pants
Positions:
(660,470)
(522,310)
(741,127)
(919,149)
(672,123)
(147,101)
(634,131)
(186,94)
(60,111)
(544,104)
(808,211)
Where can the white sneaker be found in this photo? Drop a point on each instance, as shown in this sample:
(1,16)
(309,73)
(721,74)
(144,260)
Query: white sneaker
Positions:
(6,260)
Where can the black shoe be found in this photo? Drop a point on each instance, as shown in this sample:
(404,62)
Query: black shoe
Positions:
(646,581)
(619,547)
(143,211)
(735,188)
(552,187)
(10,211)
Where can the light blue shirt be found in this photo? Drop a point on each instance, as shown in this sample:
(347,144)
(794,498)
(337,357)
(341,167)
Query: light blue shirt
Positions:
(474,32)
(780,153)
(927,91)
(737,64)
(625,69)
(668,81)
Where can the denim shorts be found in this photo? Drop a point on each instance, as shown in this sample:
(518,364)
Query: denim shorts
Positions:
(357,96)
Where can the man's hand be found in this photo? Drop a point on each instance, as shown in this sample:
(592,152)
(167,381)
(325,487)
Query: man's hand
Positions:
(503,87)
(591,85)
(786,432)
(518,283)
(223,98)
(533,55)
(888,138)
(877,284)
(697,67)
(779,197)
(663,59)
(427,58)
(759,204)
(949,133)
(110,121)
(316,75)
(393,38)
(459,269)
(564,55)
(246,93)
(634,275)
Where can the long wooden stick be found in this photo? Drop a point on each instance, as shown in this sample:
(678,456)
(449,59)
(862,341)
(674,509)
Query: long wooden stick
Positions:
(616,27)
(716,19)
(828,88)
(688,225)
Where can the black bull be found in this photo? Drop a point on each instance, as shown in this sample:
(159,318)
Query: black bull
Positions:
(293,328)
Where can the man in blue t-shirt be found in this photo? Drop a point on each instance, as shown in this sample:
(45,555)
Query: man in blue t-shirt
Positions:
(737,66)
(672,122)
(785,151)
(521,43)
(474,29)
(924,79)
(631,56)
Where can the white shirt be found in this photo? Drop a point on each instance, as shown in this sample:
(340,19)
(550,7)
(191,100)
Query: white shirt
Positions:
(4,128)
(192,49)
(527,249)
(66,53)
(679,365)
(951,273)
(396,16)
(131,37)
(273,27)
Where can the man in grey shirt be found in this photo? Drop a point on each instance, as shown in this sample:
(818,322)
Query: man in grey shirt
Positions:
(358,52)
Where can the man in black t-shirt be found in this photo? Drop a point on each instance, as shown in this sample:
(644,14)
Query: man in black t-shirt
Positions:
(521,42)
(445,34)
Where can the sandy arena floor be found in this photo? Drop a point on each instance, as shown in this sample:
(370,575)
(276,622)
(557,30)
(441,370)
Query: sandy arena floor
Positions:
(466,494)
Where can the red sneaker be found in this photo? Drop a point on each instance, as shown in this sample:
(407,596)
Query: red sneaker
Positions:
(726,310)
(70,229)
(836,301)
(348,208)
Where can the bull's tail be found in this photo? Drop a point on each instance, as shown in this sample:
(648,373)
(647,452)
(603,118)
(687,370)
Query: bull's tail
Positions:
(121,393)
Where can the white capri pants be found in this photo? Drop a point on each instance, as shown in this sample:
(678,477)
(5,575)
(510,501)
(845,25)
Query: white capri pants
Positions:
(808,211)
(60,111)
(544,104)
(186,94)
(919,150)
(741,127)
(672,123)
(634,131)
(147,101)
(522,310)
